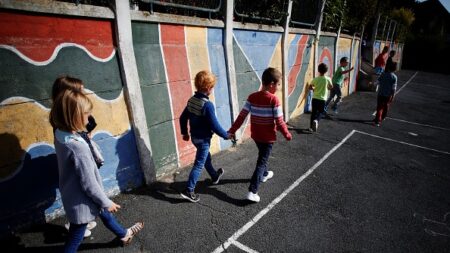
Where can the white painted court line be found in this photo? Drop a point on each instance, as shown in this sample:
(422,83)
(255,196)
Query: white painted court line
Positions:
(254,220)
(407,82)
(419,124)
(404,85)
(402,142)
(233,239)
(243,247)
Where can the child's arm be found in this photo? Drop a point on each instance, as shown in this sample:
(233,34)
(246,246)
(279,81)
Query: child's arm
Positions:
(281,125)
(215,125)
(347,71)
(183,124)
(240,119)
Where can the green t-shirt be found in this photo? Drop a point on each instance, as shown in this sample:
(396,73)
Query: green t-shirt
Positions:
(320,84)
(338,77)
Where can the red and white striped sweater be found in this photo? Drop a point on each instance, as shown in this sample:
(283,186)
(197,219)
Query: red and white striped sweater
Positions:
(266,117)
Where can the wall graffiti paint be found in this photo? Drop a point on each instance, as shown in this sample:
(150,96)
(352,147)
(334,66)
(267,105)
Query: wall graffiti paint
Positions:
(179,79)
(326,52)
(253,53)
(29,64)
(344,50)
(376,50)
(218,67)
(198,57)
(299,58)
(155,94)
(44,34)
(354,63)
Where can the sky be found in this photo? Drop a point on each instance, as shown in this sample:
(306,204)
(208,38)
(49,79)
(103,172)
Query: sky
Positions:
(446,3)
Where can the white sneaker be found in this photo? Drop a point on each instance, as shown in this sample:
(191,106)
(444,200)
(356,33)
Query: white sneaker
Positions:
(254,197)
(87,232)
(269,176)
(91,225)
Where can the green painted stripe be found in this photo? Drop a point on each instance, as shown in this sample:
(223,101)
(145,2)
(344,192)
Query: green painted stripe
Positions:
(20,78)
(155,95)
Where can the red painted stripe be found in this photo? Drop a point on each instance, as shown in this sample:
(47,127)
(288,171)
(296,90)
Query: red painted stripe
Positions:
(327,54)
(293,74)
(178,76)
(37,36)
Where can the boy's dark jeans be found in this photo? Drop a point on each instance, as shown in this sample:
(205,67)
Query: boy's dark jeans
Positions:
(264,150)
(336,91)
(318,109)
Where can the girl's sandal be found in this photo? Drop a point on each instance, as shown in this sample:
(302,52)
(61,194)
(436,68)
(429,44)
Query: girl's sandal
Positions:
(131,232)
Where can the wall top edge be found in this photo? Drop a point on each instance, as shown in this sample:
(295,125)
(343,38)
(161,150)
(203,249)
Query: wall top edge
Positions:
(174,19)
(58,8)
(257,27)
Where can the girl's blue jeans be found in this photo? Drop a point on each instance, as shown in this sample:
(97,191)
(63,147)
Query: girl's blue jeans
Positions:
(76,231)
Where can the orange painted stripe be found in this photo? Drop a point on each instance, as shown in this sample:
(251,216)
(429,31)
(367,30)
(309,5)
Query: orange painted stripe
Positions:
(178,76)
(293,74)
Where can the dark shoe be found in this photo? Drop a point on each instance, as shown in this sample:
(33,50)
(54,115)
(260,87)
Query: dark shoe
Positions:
(191,196)
(219,175)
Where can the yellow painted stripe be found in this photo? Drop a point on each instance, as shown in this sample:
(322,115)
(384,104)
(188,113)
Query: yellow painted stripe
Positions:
(276,62)
(198,57)
(23,123)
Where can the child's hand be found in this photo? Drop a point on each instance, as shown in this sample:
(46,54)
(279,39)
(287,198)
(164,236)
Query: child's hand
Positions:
(186,137)
(231,136)
(311,87)
(288,137)
(352,68)
(114,208)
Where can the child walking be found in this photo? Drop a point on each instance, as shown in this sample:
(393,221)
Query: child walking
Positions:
(60,85)
(320,85)
(338,80)
(266,118)
(80,183)
(386,91)
(203,124)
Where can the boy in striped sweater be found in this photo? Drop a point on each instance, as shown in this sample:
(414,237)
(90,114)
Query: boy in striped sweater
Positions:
(266,118)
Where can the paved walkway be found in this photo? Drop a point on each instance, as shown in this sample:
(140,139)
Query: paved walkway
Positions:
(350,187)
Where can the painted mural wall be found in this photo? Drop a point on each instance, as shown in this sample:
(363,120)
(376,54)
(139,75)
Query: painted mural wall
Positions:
(301,70)
(168,58)
(398,47)
(34,51)
(36,48)
(344,50)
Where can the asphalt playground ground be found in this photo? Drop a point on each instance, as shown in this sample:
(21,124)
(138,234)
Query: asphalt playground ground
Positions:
(350,187)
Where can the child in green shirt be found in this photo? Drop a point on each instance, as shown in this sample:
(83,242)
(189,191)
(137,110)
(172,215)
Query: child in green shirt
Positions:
(320,85)
(338,81)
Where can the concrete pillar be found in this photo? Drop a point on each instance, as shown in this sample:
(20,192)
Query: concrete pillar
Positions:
(229,58)
(132,88)
(319,18)
(284,58)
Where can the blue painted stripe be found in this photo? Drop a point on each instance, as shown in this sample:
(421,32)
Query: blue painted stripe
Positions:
(292,53)
(258,47)
(218,67)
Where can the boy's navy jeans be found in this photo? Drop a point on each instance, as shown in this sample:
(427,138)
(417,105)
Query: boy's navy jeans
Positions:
(76,231)
(318,109)
(264,150)
(202,159)
(336,91)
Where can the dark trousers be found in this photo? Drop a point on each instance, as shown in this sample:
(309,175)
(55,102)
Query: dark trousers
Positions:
(318,109)
(382,108)
(264,150)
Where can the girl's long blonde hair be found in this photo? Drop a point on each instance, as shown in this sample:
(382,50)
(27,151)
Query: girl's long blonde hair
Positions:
(68,111)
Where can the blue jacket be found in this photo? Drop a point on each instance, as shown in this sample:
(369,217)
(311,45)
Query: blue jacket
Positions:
(202,118)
